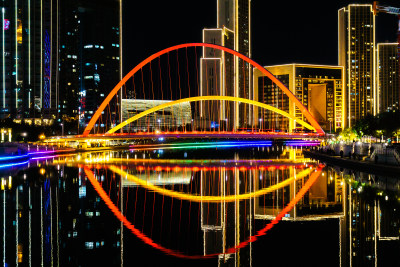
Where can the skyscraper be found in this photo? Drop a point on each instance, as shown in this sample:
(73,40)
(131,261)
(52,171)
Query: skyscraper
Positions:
(69,67)
(233,31)
(29,58)
(99,55)
(388,85)
(356,37)
(90,63)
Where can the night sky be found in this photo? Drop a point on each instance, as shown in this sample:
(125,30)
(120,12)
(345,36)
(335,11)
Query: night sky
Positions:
(282,31)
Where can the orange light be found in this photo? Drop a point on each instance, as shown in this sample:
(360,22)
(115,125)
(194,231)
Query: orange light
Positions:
(195,169)
(158,168)
(140,168)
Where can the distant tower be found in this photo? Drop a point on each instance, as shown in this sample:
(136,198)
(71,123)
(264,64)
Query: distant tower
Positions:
(356,54)
(233,31)
(388,85)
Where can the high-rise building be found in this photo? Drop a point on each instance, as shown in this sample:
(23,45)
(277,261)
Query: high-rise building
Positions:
(29,61)
(318,87)
(90,64)
(217,77)
(356,37)
(69,67)
(222,73)
(388,84)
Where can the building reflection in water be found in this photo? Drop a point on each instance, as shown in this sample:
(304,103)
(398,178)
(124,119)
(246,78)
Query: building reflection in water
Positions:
(52,215)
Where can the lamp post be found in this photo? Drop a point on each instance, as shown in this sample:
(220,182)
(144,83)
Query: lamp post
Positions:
(159,124)
(62,129)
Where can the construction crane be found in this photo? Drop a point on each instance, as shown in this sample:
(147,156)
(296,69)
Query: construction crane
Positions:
(389,10)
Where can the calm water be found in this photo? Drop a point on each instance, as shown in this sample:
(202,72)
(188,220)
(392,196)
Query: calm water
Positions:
(255,206)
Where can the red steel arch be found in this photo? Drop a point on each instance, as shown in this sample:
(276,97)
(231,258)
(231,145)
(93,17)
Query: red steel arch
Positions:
(115,90)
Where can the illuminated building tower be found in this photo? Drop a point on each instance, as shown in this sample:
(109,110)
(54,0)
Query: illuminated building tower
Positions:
(223,74)
(226,224)
(217,77)
(388,85)
(318,87)
(29,58)
(356,54)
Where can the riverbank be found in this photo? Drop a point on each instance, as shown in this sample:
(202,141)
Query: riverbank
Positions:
(356,164)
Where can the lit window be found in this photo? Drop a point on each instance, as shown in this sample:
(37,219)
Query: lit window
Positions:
(89,245)
(82,191)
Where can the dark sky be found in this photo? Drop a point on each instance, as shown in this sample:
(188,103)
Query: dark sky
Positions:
(282,31)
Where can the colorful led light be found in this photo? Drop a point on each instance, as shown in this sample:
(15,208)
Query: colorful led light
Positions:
(13,164)
(183,196)
(13,157)
(96,185)
(115,90)
(209,97)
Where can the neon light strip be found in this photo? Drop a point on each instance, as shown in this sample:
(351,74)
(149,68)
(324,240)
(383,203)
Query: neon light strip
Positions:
(46,157)
(4,226)
(16,54)
(14,164)
(4,64)
(50,151)
(217,199)
(33,153)
(13,157)
(41,53)
(213,144)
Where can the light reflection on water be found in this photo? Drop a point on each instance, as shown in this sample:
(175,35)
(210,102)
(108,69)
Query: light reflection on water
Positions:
(218,208)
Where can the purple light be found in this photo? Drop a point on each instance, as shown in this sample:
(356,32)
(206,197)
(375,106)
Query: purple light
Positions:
(6,24)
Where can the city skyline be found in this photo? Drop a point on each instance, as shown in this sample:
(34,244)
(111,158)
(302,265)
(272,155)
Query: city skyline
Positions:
(280,33)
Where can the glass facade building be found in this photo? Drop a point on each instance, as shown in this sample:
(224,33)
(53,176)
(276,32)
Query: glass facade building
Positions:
(90,63)
(388,85)
(29,38)
(318,87)
(233,30)
(356,37)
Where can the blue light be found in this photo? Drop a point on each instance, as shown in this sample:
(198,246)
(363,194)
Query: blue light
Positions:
(13,164)
(12,157)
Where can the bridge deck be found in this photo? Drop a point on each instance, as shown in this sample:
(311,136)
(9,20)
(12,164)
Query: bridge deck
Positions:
(194,135)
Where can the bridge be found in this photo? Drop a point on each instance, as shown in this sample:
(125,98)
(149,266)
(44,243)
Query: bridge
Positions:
(166,83)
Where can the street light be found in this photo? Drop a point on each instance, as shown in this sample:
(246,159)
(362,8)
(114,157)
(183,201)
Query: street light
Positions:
(159,122)
(260,123)
(62,129)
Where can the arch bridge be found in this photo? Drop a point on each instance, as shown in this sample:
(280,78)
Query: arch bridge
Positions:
(191,126)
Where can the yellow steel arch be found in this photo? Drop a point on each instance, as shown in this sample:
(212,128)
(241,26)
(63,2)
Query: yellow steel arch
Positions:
(210,97)
(214,199)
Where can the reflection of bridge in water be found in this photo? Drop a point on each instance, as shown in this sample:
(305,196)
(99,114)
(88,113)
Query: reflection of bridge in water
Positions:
(227,230)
